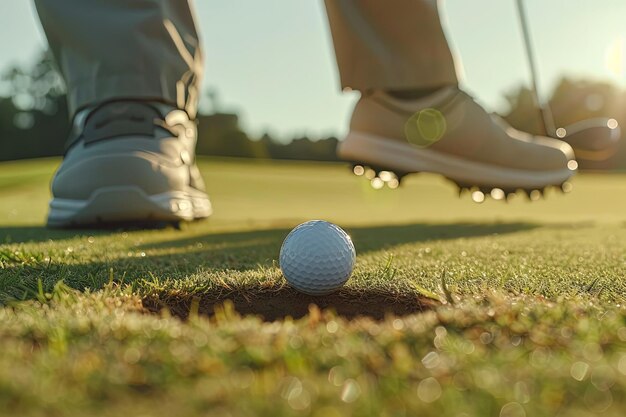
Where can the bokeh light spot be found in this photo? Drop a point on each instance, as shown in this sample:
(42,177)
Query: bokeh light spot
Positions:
(332,326)
(385,175)
(478,196)
(497,194)
(335,376)
(429,390)
(296,395)
(377,183)
(351,391)
(425,127)
(512,409)
(578,370)
(24,120)
(431,360)
(598,401)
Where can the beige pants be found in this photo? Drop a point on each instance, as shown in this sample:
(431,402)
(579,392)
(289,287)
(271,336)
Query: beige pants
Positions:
(113,49)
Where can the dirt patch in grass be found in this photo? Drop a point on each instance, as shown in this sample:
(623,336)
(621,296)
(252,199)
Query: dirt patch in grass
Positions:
(284,302)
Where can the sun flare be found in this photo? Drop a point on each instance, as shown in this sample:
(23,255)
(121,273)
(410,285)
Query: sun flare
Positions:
(614,58)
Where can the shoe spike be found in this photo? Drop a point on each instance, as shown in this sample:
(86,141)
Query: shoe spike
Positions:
(497,194)
(478,196)
(377,183)
(358,170)
(509,194)
(566,187)
(535,195)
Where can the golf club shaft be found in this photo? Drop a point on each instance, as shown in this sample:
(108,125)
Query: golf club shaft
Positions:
(544,109)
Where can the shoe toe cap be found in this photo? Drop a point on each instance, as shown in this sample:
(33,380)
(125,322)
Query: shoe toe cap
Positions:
(555,154)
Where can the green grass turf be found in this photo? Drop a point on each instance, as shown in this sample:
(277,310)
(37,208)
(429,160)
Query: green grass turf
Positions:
(463,310)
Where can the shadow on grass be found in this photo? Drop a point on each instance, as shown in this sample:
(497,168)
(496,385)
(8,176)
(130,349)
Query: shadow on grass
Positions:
(34,234)
(229,254)
(280,302)
(365,238)
(24,234)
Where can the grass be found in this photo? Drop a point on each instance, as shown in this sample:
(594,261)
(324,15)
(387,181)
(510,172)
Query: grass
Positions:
(454,309)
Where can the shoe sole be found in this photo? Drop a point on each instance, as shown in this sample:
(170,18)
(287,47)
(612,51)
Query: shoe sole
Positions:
(128,205)
(402,159)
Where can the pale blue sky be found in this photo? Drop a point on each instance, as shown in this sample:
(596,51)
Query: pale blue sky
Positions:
(272,60)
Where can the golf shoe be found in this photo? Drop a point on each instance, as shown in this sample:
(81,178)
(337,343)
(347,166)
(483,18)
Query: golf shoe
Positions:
(129,162)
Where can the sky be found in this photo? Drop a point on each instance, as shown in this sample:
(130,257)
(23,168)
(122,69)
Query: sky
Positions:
(275,66)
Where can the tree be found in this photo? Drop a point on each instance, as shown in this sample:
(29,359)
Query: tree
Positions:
(573,101)
(33,111)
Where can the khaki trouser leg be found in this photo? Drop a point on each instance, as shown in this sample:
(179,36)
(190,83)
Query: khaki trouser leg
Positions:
(394,44)
(116,49)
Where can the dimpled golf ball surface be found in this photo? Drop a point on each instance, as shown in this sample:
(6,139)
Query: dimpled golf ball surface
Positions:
(317,257)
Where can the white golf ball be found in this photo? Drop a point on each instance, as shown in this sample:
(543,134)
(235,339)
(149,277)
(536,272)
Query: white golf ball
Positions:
(317,257)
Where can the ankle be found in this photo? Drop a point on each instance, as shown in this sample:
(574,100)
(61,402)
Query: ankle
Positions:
(409,94)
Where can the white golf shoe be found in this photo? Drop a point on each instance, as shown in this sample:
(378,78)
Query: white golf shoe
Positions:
(129,162)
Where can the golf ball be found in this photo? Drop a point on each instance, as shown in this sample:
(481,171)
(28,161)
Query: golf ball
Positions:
(317,257)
